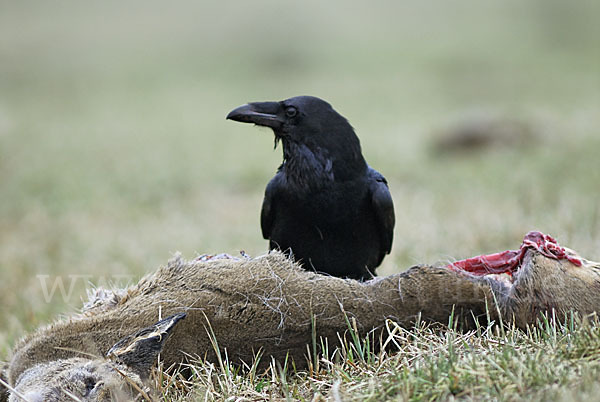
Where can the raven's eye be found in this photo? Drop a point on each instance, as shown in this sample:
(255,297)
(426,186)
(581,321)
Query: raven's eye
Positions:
(291,111)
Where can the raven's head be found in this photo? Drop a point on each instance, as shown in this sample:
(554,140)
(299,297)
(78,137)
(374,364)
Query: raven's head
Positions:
(305,120)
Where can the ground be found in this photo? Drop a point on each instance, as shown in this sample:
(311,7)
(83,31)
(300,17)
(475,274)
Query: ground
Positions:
(115,152)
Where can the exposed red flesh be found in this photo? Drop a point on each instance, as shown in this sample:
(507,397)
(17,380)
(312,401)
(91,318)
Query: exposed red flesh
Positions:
(510,260)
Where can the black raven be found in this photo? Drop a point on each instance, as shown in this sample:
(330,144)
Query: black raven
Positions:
(325,206)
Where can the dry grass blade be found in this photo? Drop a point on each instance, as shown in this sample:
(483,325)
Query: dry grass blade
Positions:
(134,385)
(12,390)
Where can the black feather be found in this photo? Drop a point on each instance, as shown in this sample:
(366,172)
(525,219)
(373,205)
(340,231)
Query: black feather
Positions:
(325,206)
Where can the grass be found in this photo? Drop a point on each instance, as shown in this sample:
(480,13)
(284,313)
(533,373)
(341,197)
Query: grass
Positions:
(552,360)
(114,151)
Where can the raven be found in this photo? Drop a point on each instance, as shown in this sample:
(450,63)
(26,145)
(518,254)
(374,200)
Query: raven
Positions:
(325,206)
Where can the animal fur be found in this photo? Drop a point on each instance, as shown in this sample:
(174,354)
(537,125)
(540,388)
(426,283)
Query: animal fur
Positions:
(270,304)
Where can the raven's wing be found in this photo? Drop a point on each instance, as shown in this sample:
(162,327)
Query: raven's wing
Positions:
(383,206)
(267,213)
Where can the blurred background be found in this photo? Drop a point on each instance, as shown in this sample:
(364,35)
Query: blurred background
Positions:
(115,153)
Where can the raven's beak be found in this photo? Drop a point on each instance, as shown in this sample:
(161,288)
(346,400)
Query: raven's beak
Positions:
(267,114)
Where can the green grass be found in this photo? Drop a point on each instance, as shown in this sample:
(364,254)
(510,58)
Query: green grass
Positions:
(553,360)
(115,152)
